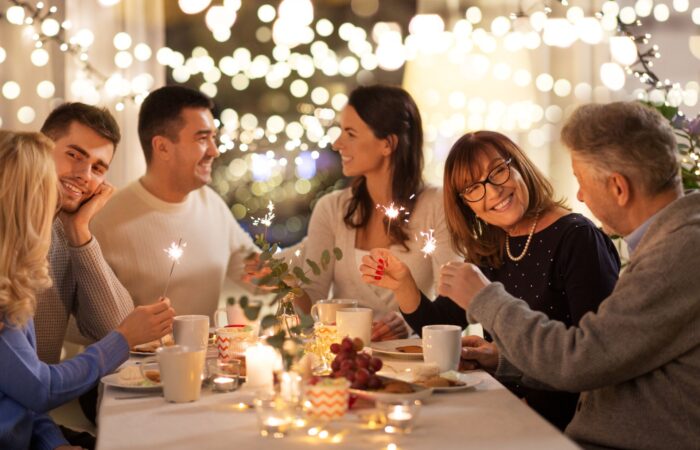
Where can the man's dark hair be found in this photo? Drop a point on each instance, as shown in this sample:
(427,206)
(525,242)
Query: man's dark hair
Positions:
(99,120)
(160,114)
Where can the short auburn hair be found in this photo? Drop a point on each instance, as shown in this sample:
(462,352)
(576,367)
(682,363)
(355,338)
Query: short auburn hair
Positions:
(479,242)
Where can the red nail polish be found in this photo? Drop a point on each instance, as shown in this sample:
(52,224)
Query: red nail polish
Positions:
(377,277)
(381,261)
(379,272)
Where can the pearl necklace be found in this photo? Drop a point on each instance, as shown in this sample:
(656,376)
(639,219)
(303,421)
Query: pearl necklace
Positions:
(527,243)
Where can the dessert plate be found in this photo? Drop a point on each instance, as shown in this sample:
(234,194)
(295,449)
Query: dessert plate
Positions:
(401,348)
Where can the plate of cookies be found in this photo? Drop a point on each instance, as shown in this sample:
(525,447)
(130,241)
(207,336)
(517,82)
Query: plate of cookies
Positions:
(402,348)
(393,390)
(132,378)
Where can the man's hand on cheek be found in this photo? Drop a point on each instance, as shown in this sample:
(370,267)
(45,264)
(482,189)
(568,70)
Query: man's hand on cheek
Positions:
(76,224)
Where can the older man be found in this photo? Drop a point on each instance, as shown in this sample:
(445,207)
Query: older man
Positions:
(637,359)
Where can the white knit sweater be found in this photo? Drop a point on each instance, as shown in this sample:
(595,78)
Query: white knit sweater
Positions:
(135,227)
(327,230)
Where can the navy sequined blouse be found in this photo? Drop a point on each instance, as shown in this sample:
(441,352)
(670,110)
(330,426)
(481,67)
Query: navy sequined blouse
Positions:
(570,267)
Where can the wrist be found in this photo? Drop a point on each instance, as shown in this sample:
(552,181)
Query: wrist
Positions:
(77,235)
(126,337)
(408,296)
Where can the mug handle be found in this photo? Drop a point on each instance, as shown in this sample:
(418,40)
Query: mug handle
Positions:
(217,314)
(314,312)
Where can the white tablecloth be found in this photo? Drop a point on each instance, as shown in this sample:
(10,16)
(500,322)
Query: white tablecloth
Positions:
(487,417)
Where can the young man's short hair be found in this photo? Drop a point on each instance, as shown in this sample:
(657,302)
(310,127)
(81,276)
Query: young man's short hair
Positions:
(160,114)
(99,120)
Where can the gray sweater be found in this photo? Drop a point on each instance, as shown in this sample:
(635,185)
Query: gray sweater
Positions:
(637,360)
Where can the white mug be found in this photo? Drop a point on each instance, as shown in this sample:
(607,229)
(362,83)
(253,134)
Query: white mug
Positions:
(191,330)
(181,372)
(324,311)
(355,322)
(442,345)
(234,315)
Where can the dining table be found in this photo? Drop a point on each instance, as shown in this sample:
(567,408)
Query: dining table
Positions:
(484,416)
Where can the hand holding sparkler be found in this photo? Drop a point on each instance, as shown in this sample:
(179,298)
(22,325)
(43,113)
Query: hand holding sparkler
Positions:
(381,268)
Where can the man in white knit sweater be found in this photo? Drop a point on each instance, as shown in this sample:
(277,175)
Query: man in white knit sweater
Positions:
(172,202)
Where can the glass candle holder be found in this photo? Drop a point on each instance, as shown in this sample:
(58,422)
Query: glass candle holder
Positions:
(320,347)
(275,417)
(223,375)
(399,417)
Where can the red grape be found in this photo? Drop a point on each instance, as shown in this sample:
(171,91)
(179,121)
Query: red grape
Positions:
(335,348)
(375,365)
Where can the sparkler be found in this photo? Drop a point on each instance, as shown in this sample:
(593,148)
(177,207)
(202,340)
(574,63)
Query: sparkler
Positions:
(266,220)
(392,212)
(429,243)
(174,252)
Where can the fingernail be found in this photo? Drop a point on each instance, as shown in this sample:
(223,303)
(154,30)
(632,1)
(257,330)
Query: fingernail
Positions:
(381,261)
(380,272)
(378,277)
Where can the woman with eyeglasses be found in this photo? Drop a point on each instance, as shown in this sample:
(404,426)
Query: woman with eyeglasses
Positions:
(503,217)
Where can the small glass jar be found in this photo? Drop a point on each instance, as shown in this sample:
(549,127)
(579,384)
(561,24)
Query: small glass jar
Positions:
(399,417)
(275,416)
(223,375)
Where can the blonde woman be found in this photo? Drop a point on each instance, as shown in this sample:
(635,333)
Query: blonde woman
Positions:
(28,387)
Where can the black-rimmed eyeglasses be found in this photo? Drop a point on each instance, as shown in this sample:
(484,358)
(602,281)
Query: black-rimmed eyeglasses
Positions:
(498,175)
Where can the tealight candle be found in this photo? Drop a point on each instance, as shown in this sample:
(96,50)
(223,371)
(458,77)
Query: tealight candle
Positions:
(224,384)
(398,414)
(400,418)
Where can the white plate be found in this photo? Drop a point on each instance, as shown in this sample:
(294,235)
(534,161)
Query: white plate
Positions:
(468,381)
(419,393)
(390,348)
(114,381)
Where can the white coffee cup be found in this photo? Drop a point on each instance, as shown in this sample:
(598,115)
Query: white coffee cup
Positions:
(235,315)
(181,372)
(191,330)
(442,345)
(324,311)
(355,322)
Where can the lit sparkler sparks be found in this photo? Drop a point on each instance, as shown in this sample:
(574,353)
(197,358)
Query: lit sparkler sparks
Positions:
(267,219)
(174,252)
(429,243)
(392,212)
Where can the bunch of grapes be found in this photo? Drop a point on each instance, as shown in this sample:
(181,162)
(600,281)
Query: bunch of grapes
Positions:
(358,368)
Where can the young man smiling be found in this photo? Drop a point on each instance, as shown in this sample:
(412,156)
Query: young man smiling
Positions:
(85,139)
(171,202)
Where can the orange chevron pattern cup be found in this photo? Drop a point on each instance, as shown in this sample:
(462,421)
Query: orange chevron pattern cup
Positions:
(232,340)
(327,399)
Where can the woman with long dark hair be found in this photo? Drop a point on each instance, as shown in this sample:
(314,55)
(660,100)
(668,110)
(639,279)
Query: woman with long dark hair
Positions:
(503,217)
(381,148)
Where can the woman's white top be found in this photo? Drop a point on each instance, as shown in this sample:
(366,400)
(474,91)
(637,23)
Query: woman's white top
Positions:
(342,279)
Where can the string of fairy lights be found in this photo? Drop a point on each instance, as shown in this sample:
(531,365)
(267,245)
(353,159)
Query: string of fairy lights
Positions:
(265,148)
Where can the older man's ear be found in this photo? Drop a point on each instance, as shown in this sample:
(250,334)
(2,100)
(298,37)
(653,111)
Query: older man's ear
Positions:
(620,189)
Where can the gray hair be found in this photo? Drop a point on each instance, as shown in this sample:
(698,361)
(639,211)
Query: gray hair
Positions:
(629,138)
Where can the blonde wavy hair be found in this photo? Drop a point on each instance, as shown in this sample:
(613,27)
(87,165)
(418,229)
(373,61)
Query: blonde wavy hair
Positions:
(28,195)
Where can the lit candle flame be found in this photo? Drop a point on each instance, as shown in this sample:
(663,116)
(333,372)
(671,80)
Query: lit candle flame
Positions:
(429,243)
